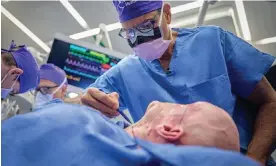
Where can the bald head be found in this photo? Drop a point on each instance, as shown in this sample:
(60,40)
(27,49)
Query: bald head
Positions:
(199,123)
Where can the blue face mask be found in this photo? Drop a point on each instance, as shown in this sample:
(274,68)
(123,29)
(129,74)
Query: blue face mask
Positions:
(5,92)
(41,99)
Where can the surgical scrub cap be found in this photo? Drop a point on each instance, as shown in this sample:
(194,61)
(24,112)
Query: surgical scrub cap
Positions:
(24,60)
(52,73)
(128,10)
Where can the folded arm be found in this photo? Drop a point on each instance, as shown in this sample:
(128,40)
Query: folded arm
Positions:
(264,137)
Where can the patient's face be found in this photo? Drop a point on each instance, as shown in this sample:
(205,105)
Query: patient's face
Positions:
(199,123)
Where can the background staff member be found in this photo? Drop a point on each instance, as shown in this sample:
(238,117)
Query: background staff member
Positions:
(19,70)
(52,87)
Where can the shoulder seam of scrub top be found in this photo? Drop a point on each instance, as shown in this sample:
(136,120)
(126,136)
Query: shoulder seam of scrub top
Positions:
(223,35)
(191,30)
(231,50)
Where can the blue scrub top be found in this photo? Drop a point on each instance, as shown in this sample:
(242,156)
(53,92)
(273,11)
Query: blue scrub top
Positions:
(65,134)
(208,64)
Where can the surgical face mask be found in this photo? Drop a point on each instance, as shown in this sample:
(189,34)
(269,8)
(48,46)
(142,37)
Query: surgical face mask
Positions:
(153,45)
(41,99)
(5,92)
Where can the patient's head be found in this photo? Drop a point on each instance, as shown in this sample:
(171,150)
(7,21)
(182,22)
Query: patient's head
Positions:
(199,123)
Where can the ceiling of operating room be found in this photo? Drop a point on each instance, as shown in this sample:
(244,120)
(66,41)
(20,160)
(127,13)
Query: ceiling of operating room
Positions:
(45,18)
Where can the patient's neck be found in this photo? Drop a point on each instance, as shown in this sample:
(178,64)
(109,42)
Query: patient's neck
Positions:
(145,131)
(136,130)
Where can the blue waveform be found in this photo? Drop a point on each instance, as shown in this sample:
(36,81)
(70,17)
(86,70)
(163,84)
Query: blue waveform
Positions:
(79,73)
(81,49)
(112,64)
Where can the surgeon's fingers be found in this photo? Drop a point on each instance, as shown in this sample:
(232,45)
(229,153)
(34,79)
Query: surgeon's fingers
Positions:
(115,96)
(105,98)
(92,102)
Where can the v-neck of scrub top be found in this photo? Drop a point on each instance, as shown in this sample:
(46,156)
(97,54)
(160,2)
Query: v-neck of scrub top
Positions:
(154,67)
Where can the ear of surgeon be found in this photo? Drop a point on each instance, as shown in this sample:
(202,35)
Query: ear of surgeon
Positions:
(9,79)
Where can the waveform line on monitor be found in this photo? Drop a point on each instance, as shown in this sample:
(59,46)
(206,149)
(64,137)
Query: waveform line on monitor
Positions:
(74,47)
(85,51)
(101,56)
(79,73)
(92,54)
(83,65)
(88,62)
(76,58)
(70,77)
(85,57)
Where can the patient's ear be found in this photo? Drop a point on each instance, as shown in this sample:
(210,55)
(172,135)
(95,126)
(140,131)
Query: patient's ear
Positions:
(169,133)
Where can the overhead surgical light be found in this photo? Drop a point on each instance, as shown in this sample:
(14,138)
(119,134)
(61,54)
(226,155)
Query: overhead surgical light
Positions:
(243,20)
(85,34)
(114,26)
(266,41)
(219,13)
(235,22)
(74,13)
(25,29)
(186,7)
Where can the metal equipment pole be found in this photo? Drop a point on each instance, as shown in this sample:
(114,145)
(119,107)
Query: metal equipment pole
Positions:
(202,13)
(203,10)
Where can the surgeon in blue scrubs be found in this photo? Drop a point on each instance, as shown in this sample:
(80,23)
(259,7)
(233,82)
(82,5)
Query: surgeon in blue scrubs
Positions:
(185,66)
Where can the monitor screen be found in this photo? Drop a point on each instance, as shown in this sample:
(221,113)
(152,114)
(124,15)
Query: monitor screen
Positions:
(82,65)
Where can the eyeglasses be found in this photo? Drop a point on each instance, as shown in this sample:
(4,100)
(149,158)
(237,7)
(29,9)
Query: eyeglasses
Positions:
(44,90)
(144,27)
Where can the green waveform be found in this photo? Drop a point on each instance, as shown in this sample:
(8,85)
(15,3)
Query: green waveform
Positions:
(79,50)
(102,57)
(85,57)
(102,60)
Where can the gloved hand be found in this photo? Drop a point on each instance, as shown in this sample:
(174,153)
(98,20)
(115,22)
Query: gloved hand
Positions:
(108,104)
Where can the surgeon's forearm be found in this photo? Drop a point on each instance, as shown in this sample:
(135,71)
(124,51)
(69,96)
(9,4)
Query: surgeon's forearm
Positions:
(264,133)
